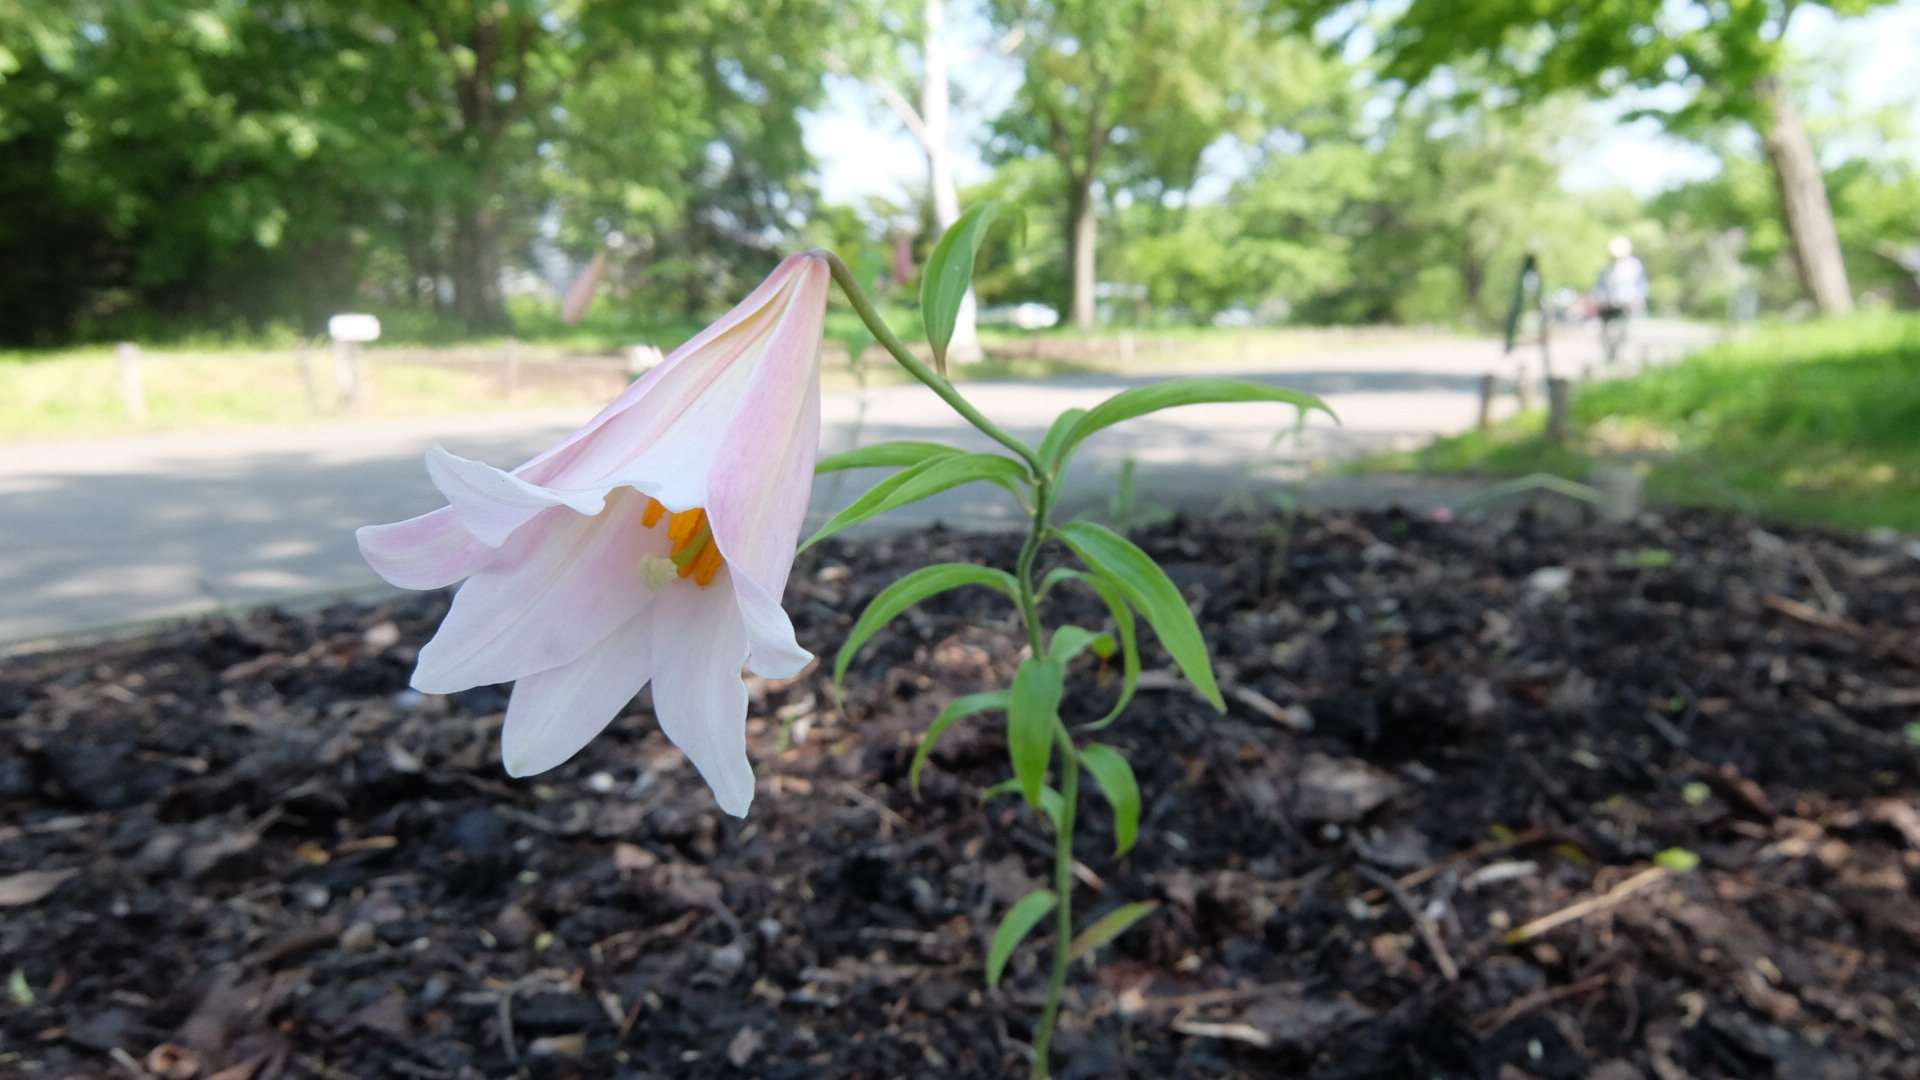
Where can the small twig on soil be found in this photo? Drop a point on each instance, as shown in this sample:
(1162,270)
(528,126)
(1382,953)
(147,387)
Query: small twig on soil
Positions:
(1812,616)
(887,814)
(1441,958)
(1245,1033)
(1476,852)
(1487,1025)
(1589,906)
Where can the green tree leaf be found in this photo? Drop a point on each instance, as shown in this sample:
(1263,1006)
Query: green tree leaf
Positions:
(1018,922)
(1115,777)
(910,590)
(1108,926)
(956,709)
(881,455)
(1173,393)
(949,274)
(1032,712)
(930,477)
(1147,587)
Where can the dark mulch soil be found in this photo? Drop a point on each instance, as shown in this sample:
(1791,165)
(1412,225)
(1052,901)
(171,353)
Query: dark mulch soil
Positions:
(263,856)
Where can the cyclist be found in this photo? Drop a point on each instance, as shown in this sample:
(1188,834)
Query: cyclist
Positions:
(1620,293)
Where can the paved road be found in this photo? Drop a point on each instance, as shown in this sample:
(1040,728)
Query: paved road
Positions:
(112,533)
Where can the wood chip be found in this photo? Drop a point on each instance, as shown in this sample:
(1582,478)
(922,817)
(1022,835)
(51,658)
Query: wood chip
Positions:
(30,887)
(1245,1033)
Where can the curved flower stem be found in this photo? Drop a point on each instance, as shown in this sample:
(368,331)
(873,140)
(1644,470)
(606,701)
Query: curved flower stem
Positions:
(863,306)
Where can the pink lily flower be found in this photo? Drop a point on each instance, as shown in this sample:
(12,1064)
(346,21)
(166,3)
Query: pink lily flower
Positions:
(653,544)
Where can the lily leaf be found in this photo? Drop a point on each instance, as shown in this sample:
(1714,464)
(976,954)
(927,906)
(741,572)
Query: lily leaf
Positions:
(910,590)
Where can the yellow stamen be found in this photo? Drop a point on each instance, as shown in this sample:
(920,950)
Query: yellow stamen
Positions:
(683,526)
(705,566)
(693,554)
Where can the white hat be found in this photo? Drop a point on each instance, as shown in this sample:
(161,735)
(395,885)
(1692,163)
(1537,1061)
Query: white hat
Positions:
(1620,247)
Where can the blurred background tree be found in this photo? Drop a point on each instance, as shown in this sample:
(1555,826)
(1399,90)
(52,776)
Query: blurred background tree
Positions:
(229,168)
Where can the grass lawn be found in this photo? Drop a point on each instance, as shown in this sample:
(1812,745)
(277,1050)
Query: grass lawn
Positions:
(1816,423)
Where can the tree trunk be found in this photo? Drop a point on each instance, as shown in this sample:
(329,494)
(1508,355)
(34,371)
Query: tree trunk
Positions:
(1081,231)
(1803,199)
(936,122)
(476,271)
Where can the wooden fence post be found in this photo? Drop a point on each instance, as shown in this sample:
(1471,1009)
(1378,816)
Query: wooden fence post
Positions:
(309,378)
(1559,409)
(133,388)
(1488,387)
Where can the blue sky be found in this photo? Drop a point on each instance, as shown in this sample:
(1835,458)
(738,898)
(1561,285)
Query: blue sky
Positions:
(864,150)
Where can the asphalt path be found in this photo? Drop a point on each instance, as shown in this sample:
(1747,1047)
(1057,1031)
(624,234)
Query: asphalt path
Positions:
(106,535)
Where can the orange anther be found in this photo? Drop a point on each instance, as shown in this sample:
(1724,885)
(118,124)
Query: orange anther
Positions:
(705,565)
(652,514)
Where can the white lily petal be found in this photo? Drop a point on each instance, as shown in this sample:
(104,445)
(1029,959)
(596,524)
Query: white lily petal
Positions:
(431,551)
(554,713)
(699,646)
(492,503)
(556,588)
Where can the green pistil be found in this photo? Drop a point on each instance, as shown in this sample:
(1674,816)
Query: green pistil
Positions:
(694,546)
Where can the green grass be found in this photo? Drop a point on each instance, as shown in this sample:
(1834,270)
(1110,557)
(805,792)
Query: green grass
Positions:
(79,393)
(1815,423)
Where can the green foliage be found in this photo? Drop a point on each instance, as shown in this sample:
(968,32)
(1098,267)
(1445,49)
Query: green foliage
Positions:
(908,591)
(916,482)
(1810,423)
(206,162)
(1115,777)
(949,274)
(957,709)
(1109,926)
(1033,712)
(1134,573)
(1019,921)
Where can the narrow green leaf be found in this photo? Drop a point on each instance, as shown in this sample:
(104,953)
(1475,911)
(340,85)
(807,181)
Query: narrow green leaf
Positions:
(1123,629)
(1176,392)
(1147,587)
(1004,787)
(910,590)
(1032,712)
(1018,922)
(1053,447)
(957,708)
(1115,777)
(1107,927)
(1053,805)
(949,274)
(930,477)
(879,455)
(1070,641)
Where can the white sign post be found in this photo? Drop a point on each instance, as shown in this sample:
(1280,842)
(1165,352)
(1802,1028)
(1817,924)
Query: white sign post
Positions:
(349,333)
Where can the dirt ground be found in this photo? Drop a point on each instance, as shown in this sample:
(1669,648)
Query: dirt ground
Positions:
(245,850)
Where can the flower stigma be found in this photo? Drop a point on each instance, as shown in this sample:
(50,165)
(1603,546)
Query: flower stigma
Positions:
(694,554)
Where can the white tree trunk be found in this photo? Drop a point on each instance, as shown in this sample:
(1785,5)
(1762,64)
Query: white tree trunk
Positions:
(936,122)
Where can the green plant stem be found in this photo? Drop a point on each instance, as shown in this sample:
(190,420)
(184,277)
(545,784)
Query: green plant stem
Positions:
(1041,510)
(1063,911)
(863,306)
